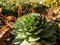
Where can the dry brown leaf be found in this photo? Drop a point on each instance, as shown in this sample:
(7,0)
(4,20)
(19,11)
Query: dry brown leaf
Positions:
(20,11)
(52,9)
(1,10)
(11,21)
(5,31)
(11,18)
(53,12)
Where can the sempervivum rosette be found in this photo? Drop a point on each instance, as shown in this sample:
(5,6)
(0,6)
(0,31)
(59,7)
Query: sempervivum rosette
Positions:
(33,29)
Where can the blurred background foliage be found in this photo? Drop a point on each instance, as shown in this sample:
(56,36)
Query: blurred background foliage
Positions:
(45,2)
(11,6)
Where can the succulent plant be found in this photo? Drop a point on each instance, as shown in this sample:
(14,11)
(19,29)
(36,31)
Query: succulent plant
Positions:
(34,29)
(28,27)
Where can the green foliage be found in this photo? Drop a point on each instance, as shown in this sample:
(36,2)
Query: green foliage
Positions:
(28,26)
(34,27)
(8,8)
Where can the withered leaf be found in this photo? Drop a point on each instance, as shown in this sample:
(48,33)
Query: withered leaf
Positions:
(20,11)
